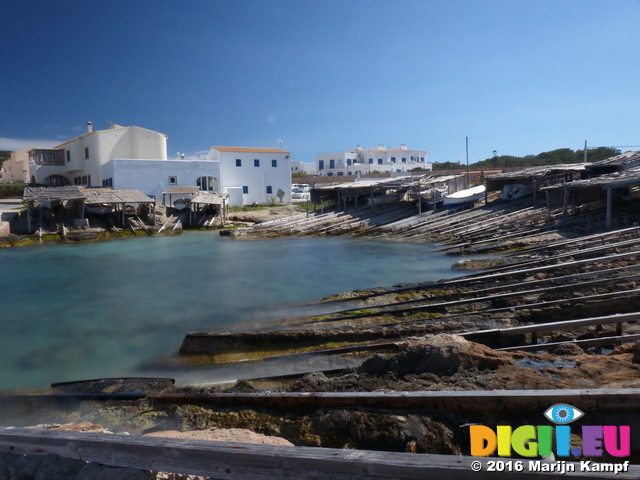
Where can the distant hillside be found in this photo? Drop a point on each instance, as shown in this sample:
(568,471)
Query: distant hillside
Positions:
(554,157)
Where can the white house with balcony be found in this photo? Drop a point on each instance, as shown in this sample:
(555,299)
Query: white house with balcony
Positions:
(253,175)
(379,159)
(79,161)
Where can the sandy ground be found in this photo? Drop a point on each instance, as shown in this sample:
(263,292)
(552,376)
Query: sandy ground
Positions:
(234,435)
(267,214)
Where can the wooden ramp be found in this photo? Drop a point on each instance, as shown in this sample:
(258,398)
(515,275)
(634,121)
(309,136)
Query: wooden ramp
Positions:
(234,461)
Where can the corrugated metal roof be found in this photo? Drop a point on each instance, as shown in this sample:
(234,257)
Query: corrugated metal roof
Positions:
(540,171)
(90,195)
(208,198)
(116,196)
(625,178)
(71,192)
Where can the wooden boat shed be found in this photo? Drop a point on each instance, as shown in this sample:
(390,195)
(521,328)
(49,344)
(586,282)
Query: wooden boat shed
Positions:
(178,192)
(383,191)
(587,195)
(118,198)
(210,199)
(537,177)
(50,195)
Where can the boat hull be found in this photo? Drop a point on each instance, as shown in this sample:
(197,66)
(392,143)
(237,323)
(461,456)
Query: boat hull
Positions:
(468,196)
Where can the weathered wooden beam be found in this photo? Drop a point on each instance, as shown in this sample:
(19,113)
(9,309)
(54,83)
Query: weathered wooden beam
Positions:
(592,342)
(566,325)
(235,461)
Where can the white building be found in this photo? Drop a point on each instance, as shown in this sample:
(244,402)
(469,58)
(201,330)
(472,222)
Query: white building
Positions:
(15,170)
(79,161)
(302,167)
(380,159)
(152,177)
(253,175)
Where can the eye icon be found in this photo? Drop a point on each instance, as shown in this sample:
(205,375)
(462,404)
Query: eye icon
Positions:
(562,413)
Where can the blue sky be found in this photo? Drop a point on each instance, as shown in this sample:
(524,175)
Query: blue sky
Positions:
(516,76)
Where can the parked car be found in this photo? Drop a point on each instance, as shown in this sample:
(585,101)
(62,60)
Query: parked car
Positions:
(300,194)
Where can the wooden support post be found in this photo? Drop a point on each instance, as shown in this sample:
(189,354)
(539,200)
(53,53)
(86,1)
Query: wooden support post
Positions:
(372,198)
(608,214)
(29,205)
(565,208)
(546,194)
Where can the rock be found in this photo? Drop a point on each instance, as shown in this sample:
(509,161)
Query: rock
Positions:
(567,349)
(442,355)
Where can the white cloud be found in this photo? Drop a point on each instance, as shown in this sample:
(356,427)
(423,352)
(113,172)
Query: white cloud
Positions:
(12,144)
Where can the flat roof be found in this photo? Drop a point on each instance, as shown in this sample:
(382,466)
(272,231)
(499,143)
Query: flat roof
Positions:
(250,150)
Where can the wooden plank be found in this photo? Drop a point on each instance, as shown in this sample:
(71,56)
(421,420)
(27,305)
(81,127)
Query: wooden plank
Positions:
(234,461)
(547,327)
(603,341)
(448,401)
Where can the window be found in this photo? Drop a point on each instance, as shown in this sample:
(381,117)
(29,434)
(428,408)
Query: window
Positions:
(245,189)
(393,159)
(269,188)
(330,174)
(238,162)
(256,163)
(55,181)
(348,161)
(207,184)
(371,160)
(173,180)
(340,174)
(379,161)
(68,155)
(46,157)
(321,165)
(107,182)
(274,163)
(332,164)
(404,160)
(86,153)
(349,173)
(84,180)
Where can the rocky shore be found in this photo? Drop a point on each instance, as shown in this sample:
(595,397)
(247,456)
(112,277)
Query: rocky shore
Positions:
(551,310)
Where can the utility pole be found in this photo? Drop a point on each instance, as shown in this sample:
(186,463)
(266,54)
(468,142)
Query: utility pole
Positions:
(585,151)
(467,145)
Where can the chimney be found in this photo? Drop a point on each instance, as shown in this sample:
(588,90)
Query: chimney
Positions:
(89,127)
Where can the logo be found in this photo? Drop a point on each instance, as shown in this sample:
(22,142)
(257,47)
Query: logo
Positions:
(534,441)
(561,413)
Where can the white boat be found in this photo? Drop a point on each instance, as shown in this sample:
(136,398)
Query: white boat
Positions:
(470,195)
(99,208)
(516,190)
(181,203)
(130,209)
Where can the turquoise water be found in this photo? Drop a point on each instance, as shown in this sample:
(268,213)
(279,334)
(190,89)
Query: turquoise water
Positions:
(74,311)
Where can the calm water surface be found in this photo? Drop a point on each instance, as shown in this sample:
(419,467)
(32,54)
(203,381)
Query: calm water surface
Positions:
(104,309)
